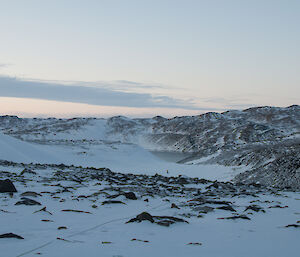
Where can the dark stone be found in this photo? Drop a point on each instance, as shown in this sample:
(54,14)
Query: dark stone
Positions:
(257,185)
(160,220)
(30,193)
(27,201)
(174,219)
(255,208)
(218,202)
(130,195)
(215,185)
(76,211)
(6,186)
(182,181)
(111,202)
(44,209)
(62,227)
(226,208)
(293,226)
(141,217)
(174,206)
(278,206)
(244,217)
(11,235)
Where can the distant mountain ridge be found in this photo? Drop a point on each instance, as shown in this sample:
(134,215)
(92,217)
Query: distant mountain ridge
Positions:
(257,137)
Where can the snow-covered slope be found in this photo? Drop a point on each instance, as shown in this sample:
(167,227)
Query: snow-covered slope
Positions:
(12,149)
(128,158)
(250,138)
(63,208)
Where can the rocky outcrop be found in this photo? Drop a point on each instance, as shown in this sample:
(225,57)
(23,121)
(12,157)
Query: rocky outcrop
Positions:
(260,138)
(6,186)
(283,172)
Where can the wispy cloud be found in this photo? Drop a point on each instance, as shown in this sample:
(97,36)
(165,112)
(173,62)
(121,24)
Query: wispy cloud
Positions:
(88,93)
(3,65)
(234,102)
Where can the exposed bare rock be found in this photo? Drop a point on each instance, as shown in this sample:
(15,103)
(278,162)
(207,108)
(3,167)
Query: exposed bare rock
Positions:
(6,186)
(27,201)
(11,235)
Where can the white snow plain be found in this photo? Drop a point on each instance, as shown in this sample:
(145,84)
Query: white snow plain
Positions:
(262,236)
(104,232)
(117,156)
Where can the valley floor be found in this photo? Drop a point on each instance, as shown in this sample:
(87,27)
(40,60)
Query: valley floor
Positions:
(87,210)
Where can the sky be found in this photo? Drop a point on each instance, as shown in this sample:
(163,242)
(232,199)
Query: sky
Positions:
(144,58)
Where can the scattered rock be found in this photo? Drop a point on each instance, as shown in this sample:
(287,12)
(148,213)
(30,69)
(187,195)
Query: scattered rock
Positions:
(77,211)
(62,239)
(160,220)
(43,209)
(218,202)
(6,211)
(6,186)
(175,219)
(130,195)
(112,202)
(226,208)
(62,227)
(139,240)
(197,243)
(11,235)
(292,225)
(255,208)
(141,217)
(244,217)
(27,201)
(278,206)
(30,193)
(173,205)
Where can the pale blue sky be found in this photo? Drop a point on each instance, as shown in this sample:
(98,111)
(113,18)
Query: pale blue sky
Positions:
(188,55)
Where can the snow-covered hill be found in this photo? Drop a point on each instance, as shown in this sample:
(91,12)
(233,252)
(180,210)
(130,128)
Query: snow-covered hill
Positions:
(228,185)
(12,149)
(250,138)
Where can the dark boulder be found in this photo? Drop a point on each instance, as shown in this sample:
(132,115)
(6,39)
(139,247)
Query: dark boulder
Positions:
(292,226)
(31,193)
(6,186)
(27,201)
(173,205)
(243,217)
(226,208)
(11,235)
(255,208)
(141,217)
(160,220)
(112,202)
(130,195)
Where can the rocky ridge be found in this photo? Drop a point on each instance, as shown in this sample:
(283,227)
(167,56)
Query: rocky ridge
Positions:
(259,138)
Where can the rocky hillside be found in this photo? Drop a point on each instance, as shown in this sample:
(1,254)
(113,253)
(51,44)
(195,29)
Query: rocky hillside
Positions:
(259,137)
